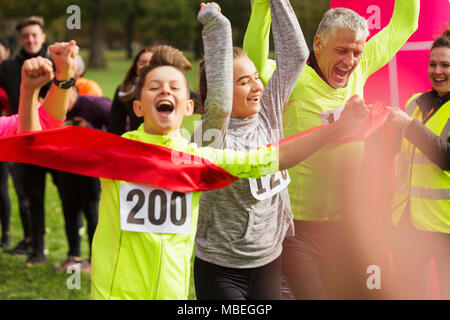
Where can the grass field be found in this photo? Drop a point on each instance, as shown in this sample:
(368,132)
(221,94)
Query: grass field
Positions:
(17,281)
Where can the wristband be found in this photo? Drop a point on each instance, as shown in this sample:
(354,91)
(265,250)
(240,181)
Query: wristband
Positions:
(64,84)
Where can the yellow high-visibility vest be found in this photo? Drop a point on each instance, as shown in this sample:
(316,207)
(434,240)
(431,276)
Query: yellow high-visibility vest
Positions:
(420,182)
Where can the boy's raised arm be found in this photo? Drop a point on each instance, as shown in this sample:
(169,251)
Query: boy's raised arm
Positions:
(35,73)
(64,56)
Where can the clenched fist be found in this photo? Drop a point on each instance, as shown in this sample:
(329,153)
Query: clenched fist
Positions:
(36,72)
(64,56)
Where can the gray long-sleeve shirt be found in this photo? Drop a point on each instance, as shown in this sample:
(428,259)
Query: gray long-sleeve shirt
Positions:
(244,225)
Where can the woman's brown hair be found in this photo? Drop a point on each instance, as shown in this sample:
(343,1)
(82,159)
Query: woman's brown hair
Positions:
(132,75)
(443,40)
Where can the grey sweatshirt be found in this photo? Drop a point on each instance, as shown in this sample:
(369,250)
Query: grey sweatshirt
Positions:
(244,225)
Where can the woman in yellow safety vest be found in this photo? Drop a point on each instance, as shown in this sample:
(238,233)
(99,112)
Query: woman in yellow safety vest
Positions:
(421,202)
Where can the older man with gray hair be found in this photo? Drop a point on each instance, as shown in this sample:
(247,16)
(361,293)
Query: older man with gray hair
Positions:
(86,86)
(317,261)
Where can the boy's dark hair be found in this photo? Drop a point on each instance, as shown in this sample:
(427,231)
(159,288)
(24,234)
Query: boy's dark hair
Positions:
(163,55)
(28,21)
(443,40)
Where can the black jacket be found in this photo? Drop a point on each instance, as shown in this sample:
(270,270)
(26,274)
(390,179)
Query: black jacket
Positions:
(10,76)
(120,110)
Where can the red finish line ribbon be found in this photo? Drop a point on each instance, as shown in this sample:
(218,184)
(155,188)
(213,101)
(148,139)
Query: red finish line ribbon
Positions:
(377,117)
(96,153)
(100,154)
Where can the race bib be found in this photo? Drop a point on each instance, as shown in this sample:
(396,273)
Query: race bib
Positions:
(267,186)
(331,116)
(145,208)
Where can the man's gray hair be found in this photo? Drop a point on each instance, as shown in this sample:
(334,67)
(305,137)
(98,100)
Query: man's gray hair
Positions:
(81,68)
(343,18)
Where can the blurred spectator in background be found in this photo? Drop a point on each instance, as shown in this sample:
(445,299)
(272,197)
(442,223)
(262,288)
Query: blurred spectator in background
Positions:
(122,106)
(421,203)
(29,181)
(5,201)
(81,193)
(86,86)
(5,49)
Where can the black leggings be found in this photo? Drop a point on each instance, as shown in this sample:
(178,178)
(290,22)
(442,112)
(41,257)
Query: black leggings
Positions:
(35,190)
(5,202)
(17,171)
(214,282)
(79,193)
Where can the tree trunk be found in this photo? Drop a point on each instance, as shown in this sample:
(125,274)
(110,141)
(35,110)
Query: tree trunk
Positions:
(130,29)
(131,18)
(97,58)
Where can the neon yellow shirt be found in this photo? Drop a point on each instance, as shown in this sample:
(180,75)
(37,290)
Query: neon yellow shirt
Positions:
(319,183)
(153,265)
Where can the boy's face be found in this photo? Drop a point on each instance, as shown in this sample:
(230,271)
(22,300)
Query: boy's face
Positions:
(164,101)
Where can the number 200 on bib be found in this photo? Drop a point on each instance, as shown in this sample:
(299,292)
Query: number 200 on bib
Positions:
(145,208)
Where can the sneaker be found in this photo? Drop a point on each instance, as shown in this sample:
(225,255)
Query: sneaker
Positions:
(36,259)
(23,248)
(86,266)
(6,241)
(70,261)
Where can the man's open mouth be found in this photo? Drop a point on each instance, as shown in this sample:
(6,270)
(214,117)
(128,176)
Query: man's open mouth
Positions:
(341,73)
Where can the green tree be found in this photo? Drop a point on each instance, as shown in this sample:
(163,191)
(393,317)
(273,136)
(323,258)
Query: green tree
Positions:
(118,23)
(97,57)
(309,15)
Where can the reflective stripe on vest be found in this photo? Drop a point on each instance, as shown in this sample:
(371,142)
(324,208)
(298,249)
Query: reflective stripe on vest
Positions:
(412,106)
(431,194)
(419,158)
(445,131)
